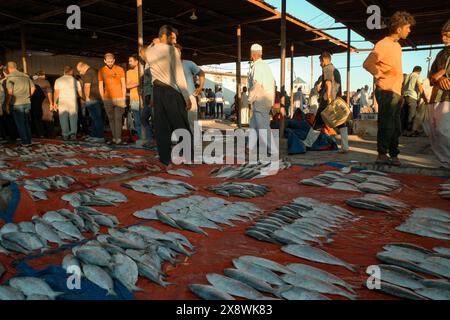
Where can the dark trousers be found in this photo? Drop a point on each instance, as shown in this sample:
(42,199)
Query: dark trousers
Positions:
(169,114)
(146,119)
(8,126)
(389,123)
(21,114)
(95,112)
(408,113)
(36,119)
(219,106)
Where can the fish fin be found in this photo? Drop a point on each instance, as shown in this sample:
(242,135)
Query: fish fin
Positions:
(352,267)
(282,289)
(111,292)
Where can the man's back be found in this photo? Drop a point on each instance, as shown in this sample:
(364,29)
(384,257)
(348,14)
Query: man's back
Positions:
(411,87)
(21,85)
(91,77)
(67,86)
(330,73)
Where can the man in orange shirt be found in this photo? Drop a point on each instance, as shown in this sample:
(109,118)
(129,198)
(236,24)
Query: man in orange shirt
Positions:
(385,64)
(113,90)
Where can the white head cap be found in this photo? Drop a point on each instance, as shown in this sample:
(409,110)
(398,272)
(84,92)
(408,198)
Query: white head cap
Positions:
(256,48)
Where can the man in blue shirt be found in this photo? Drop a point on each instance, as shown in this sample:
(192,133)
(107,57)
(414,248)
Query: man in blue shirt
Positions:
(191,70)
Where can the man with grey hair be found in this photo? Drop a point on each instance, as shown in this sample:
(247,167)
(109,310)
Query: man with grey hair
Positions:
(261,88)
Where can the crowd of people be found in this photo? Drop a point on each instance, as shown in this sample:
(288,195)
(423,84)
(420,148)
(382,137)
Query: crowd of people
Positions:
(170,95)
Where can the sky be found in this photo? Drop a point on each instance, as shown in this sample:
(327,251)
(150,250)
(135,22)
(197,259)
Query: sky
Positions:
(302,65)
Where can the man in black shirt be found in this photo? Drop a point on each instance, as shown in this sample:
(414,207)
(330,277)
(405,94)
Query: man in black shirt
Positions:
(93,100)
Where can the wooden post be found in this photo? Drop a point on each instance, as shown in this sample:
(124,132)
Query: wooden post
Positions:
(292,79)
(348,64)
(283,65)
(24,49)
(238,76)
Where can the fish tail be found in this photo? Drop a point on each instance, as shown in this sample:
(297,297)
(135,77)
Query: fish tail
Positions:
(282,289)
(352,267)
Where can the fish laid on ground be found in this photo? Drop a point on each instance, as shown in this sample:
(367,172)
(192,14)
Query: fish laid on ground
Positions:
(400,277)
(233,287)
(160,187)
(104,170)
(240,189)
(315,254)
(181,172)
(258,272)
(428,222)
(252,281)
(250,171)
(377,202)
(397,291)
(126,271)
(100,277)
(266,263)
(298,293)
(314,284)
(303,269)
(12,175)
(9,293)
(209,292)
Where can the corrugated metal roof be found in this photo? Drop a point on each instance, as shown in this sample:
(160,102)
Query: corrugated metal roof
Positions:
(430,16)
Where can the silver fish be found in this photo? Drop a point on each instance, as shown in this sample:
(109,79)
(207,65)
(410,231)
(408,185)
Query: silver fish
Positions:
(30,286)
(126,271)
(100,277)
(209,292)
(314,254)
(233,287)
(9,293)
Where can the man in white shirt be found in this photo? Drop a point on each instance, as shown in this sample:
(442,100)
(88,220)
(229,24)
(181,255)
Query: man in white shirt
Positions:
(261,85)
(364,97)
(245,107)
(67,89)
(171,97)
(219,103)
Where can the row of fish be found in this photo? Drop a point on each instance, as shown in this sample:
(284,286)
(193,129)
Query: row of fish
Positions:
(99,197)
(399,278)
(54,163)
(253,277)
(126,254)
(160,187)
(427,222)
(104,170)
(109,155)
(56,227)
(37,152)
(12,175)
(181,172)
(196,212)
(376,202)
(303,221)
(38,188)
(240,189)
(29,288)
(444,189)
(250,171)
(4,164)
(365,181)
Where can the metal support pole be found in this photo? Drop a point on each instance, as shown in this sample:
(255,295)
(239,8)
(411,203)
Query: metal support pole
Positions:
(348,64)
(292,78)
(283,65)
(24,49)
(140,47)
(238,75)
(312,72)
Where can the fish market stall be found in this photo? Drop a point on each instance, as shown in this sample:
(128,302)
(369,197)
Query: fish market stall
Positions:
(109,224)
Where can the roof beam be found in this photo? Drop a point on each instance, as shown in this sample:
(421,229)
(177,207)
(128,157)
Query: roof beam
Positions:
(47,15)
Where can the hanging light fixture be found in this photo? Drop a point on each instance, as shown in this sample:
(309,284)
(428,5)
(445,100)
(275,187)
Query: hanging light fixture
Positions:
(193,16)
(94,36)
(195,54)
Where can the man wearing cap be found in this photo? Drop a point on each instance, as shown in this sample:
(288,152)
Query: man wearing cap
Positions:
(440,101)
(261,88)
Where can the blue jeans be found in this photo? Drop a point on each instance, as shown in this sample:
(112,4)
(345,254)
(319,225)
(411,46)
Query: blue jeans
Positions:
(95,112)
(21,114)
(136,117)
(69,123)
(146,123)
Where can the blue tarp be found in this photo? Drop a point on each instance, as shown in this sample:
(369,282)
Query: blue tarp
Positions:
(57,277)
(8,215)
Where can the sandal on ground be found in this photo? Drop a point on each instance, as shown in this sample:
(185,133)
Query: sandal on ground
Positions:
(395,162)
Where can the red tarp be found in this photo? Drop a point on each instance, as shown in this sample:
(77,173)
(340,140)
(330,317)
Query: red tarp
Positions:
(356,243)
